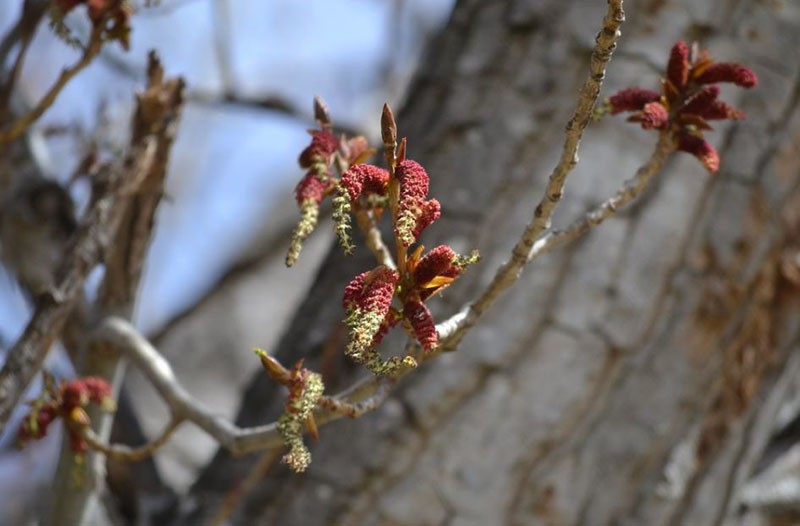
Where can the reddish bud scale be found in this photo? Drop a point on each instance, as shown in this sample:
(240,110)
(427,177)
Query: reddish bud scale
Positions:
(323,145)
(678,66)
(311,188)
(364,179)
(297,386)
(701,149)
(727,72)
(632,99)
(421,321)
(372,291)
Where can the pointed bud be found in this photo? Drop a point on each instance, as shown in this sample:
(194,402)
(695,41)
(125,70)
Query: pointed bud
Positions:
(388,127)
(321,113)
(79,417)
(273,367)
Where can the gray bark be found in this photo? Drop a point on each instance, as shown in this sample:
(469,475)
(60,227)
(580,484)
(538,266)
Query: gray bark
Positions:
(633,377)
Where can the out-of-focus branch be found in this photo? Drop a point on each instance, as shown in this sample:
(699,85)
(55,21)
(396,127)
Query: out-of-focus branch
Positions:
(92,240)
(127,453)
(18,127)
(32,13)
(157,112)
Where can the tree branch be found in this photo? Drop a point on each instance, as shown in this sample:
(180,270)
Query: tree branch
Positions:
(373,238)
(127,453)
(94,236)
(605,44)
(18,127)
(157,112)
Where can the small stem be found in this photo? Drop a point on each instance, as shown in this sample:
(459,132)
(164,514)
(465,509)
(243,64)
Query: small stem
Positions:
(127,453)
(18,127)
(372,236)
(605,44)
(632,188)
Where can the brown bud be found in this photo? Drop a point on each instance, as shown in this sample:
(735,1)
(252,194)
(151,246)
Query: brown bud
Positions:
(274,369)
(321,113)
(388,127)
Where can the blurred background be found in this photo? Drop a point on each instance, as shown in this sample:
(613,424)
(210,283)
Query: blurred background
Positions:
(251,75)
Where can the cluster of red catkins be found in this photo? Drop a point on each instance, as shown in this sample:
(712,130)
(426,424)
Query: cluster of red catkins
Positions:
(687,101)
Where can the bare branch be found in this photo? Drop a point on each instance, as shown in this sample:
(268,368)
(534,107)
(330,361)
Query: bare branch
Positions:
(27,355)
(630,190)
(364,396)
(127,453)
(372,236)
(18,127)
(157,112)
(604,46)
(23,31)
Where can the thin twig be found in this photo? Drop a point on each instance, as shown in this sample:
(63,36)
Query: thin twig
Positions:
(459,324)
(18,127)
(154,123)
(362,397)
(23,31)
(372,236)
(605,44)
(127,453)
(630,190)
(341,406)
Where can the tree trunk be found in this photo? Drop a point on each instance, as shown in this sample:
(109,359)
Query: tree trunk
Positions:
(633,377)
